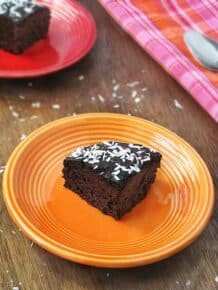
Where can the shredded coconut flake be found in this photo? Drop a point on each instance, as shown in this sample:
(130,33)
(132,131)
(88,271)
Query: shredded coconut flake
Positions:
(113,81)
(32,244)
(15,114)
(216,279)
(10,108)
(137,100)
(134,94)
(144,89)
(108,274)
(56,106)
(133,84)
(81,77)
(114,95)
(34,117)
(93,98)
(22,137)
(116,87)
(13,232)
(21,97)
(101,98)
(36,105)
(188,283)
(116,106)
(178,105)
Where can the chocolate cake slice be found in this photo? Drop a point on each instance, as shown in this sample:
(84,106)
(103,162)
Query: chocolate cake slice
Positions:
(22,23)
(111,176)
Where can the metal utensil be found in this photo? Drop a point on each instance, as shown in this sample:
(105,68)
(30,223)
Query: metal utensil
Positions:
(203,49)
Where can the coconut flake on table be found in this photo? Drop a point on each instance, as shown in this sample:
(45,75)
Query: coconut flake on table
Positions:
(2,169)
(21,120)
(134,94)
(81,77)
(36,105)
(216,279)
(113,81)
(55,106)
(178,105)
(116,106)
(101,98)
(21,97)
(114,95)
(188,283)
(107,274)
(93,98)
(120,97)
(13,232)
(137,100)
(22,137)
(116,87)
(144,89)
(15,114)
(34,117)
(133,84)
(10,108)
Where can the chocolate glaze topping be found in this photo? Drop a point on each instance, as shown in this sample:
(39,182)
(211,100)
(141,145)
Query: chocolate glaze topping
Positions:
(115,161)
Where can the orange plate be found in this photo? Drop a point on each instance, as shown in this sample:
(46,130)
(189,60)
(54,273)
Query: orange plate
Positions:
(175,211)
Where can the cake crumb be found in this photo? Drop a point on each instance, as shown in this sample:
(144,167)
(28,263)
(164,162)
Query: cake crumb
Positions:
(216,279)
(116,87)
(34,117)
(1,231)
(134,94)
(36,105)
(15,114)
(133,84)
(7,271)
(188,283)
(107,274)
(101,98)
(20,283)
(178,105)
(21,97)
(81,77)
(56,106)
(13,232)
(137,100)
(116,106)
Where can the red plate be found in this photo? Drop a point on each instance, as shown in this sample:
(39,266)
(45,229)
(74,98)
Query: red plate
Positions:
(72,34)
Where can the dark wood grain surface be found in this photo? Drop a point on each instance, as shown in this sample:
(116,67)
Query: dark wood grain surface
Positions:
(115,56)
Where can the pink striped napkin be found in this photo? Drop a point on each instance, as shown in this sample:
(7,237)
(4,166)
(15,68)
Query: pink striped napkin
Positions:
(158,27)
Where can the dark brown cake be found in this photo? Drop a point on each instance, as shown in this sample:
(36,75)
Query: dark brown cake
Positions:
(111,176)
(22,23)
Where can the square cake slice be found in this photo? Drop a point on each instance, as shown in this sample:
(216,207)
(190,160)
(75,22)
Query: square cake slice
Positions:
(111,176)
(22,23)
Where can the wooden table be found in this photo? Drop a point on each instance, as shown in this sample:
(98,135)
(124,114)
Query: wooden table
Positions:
(115,56)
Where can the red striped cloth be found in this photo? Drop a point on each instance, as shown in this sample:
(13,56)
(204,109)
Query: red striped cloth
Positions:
(158,27)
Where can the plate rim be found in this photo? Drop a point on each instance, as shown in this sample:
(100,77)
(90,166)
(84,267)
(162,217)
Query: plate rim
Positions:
(22,74)
(87,258)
